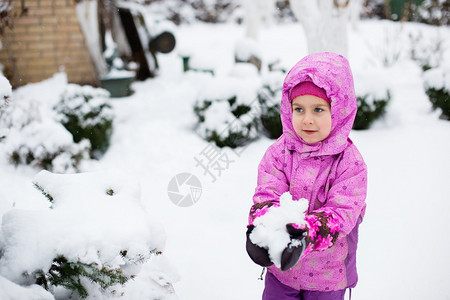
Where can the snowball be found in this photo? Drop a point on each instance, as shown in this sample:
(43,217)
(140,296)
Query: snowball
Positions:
(270,229)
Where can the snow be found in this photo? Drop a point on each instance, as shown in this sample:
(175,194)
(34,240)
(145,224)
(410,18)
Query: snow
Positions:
(5,91)
(437,78)
(404,238)
(10,291)
(32,233)
(270,229)
(93,218)
(246,48)
(115,73)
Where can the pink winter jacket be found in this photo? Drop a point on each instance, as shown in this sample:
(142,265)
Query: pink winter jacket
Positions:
(331,174)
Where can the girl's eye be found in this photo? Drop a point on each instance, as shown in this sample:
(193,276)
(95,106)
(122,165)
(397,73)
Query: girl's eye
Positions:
(318,109)
(298,109)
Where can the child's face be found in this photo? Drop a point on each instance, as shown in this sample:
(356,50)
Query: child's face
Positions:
(311,118)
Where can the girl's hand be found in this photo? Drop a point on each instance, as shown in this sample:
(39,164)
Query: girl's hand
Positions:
(259,255)
(294,250)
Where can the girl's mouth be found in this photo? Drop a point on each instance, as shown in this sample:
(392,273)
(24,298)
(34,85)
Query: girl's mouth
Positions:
(309,132)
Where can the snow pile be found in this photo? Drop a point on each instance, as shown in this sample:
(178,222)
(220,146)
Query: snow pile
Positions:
(270,229)
(94,218)
(10,291)
(45,93)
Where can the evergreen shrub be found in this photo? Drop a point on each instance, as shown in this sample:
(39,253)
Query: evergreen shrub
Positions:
(32,139)
(64,158)
(437,88)
(90,242)
(227,122)
(86,114)
(69,273)
(370,108)
(269,97)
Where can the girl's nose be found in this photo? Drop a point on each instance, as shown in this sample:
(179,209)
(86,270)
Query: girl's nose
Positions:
(307,119)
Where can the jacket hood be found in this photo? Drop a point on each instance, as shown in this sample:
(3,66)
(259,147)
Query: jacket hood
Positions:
(331,72)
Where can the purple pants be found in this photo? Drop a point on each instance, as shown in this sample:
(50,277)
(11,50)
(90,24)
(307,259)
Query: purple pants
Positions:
(275,290)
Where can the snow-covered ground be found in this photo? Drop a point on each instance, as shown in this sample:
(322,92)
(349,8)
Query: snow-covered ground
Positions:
(404,239)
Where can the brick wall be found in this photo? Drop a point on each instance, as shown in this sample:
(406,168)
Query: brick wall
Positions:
(44,40)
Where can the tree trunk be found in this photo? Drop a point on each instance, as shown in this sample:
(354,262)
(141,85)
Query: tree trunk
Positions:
(325,24)
(257,12)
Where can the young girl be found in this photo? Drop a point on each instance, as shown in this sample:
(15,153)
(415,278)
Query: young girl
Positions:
(314,159)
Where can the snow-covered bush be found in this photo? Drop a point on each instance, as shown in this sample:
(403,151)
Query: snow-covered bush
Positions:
(85,112)
(226,122)
(187,11)
(435,12)
(227,108)
(437,87)
(269,97)
(373,94)
(46,145)
(370,108)
(427,50)
(32,139)
(93,239)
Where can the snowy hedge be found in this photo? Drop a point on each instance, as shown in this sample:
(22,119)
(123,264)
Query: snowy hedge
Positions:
(227,109)
(93,239)
(373,94)
(427,49)
(437,87)
(188,11)
(54,125)
(226,122)
(46,145)
(370,108)
(32,137)
(269,97)
(86,114)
